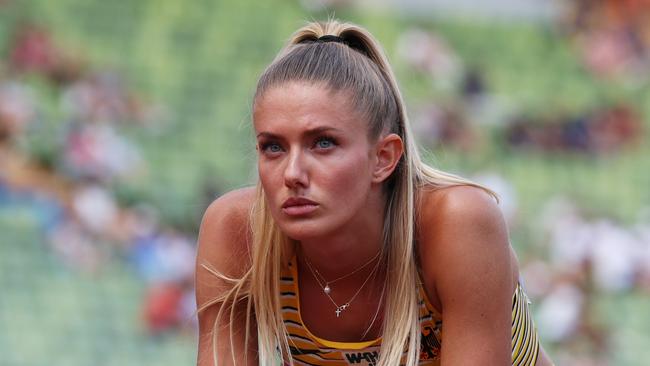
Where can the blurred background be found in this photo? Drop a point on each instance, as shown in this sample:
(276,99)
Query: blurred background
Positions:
(120,121)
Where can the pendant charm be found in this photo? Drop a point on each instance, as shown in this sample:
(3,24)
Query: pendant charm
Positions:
(327,289)
(340,309)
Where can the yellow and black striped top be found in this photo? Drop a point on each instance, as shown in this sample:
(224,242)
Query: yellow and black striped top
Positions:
(309,349)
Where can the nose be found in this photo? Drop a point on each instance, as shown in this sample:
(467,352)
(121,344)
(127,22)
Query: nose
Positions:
(295,172)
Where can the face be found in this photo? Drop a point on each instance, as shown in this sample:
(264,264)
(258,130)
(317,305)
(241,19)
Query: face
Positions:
(315,161)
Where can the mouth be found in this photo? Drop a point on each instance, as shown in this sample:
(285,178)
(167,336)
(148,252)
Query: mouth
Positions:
(298,206)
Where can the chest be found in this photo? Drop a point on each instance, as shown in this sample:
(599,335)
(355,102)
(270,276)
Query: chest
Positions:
(317,336)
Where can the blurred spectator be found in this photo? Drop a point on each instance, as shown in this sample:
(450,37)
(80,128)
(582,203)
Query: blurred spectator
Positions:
(609,129)
(481,106)
(167,261)
(612,253)
(32,50)
(163,255)
(473,85)
(560,312)
(567,234)
(133,223)
(428,53)
(95,208)
(76,247)
(612,36)
(615,256)
(97,151)
(616,126)
(102,97)
(445,126)
(17,109)
(163,308)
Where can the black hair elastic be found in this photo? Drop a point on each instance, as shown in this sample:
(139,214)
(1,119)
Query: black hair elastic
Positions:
(330,38)
(353,43)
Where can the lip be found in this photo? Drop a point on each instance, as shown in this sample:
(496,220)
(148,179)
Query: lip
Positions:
(298,206)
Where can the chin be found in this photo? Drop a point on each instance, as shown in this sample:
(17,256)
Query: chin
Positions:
(303,229)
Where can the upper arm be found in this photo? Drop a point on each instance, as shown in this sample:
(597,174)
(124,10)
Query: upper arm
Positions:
(224,246)
(466,255)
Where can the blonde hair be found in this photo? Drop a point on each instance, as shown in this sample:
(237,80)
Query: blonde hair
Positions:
(356,65)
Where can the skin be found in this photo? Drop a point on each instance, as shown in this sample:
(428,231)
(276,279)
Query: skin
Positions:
(312,144)
(224,243)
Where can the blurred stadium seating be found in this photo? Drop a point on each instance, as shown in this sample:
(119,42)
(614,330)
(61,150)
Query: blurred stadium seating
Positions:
(121,121)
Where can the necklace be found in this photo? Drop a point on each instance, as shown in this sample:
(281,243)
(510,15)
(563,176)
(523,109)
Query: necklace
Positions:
(341,308)
(327,289)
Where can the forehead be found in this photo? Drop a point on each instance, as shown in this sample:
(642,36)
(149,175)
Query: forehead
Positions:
(297,106)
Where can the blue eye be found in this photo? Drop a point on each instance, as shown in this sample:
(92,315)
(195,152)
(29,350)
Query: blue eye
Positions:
(274,148)
(270,147)
(325,143)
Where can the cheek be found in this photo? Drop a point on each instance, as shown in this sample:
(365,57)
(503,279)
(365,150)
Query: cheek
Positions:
(349,177)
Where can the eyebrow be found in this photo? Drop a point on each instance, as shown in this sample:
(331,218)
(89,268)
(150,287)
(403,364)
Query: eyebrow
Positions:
(310,132)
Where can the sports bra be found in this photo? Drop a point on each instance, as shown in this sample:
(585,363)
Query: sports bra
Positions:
(309,349)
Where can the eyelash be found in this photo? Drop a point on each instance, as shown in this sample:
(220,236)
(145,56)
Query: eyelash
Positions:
(330,139)
(264,146)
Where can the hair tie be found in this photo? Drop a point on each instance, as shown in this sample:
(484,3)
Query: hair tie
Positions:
(330,38)
(352,43)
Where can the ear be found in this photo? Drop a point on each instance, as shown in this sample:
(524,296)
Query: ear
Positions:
(389,150)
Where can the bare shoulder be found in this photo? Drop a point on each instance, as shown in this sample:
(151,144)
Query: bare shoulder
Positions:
(455,209)
(224,237)
(462,235)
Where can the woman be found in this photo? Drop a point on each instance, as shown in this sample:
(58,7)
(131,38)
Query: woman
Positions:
(350,250)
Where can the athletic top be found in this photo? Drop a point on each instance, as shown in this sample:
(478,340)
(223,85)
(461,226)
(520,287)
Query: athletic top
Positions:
(308,349)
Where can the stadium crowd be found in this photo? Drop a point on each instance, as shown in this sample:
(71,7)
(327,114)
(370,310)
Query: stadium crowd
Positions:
(68,178)
(68,182)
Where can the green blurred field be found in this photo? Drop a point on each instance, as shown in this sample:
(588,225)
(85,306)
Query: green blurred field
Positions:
(200,61)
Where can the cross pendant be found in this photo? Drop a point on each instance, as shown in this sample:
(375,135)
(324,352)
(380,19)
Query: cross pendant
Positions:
(340,309)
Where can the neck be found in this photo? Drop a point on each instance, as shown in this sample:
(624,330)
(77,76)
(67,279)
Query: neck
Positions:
(349,247)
